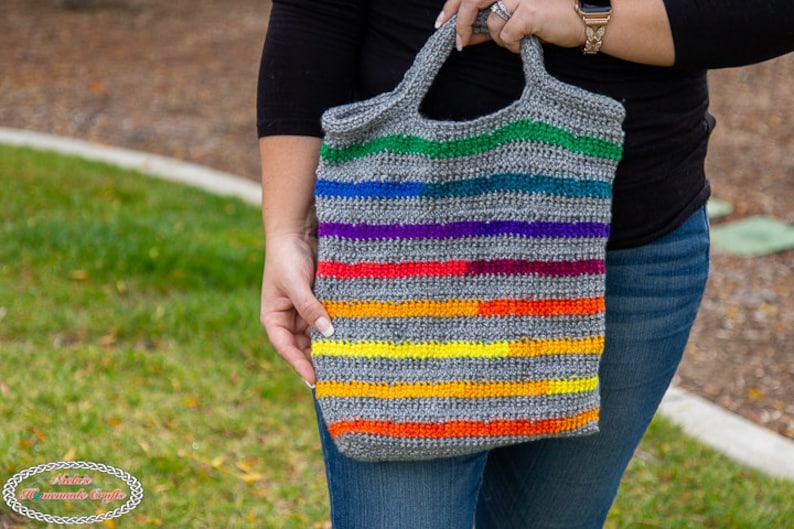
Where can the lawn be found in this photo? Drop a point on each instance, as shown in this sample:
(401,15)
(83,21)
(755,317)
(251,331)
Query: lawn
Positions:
(129,336)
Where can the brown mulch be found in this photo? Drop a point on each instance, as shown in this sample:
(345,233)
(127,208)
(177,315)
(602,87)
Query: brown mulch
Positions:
(178,78)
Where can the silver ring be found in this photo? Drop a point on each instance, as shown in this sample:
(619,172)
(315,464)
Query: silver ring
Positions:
(501,10)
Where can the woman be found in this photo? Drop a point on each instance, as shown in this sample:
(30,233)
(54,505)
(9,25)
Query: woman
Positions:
(651,55)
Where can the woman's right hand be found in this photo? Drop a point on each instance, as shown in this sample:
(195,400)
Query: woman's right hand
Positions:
(638,31)
(289,308)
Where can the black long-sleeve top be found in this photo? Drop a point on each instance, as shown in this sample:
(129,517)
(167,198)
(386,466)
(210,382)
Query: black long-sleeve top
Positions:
(320,54)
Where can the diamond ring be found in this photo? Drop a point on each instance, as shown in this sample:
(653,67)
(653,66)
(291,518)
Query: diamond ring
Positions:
(501,10)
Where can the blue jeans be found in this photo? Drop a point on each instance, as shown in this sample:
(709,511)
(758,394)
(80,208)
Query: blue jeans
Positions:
(652,295)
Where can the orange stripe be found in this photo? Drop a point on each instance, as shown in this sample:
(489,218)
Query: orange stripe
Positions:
(453,389)
(463,428)
(457,308)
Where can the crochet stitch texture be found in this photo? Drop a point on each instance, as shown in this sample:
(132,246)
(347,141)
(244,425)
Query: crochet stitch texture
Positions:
(462,264)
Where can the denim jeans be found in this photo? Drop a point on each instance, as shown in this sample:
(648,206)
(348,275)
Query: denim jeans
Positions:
(652,295)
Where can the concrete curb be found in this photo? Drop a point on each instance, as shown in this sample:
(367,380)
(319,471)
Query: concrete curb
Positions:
(167,168)
(727,432)
(731,434)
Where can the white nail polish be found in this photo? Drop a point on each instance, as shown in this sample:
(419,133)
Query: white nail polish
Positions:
(310,386)
(439,18)
(324,327)
(458,43)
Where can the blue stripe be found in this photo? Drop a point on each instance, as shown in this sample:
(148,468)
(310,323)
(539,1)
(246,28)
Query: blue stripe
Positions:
(507,182)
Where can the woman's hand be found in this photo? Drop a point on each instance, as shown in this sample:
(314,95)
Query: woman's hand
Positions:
(638,31)
(552,21)
(289,308)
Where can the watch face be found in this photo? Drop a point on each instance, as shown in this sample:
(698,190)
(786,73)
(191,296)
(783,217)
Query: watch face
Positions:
(595,6)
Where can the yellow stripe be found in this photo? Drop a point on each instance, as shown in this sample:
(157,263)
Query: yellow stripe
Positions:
(423,350)
(461,390)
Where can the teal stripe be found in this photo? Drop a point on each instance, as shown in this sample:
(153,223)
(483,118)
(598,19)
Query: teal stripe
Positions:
(521,130)
(517,182)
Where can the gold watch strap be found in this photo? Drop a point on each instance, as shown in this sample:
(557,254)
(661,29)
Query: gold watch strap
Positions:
(595,25)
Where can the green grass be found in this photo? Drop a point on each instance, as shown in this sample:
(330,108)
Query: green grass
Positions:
(674,482)
(129,336)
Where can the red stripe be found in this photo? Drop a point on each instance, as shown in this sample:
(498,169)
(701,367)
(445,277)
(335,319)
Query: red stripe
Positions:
(459,268)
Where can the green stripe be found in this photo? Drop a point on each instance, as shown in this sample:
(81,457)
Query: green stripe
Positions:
(522,130)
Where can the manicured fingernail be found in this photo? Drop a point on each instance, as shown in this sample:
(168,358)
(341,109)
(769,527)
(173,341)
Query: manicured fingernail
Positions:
(324,327)
(310,386)
(439,20)
(458,43)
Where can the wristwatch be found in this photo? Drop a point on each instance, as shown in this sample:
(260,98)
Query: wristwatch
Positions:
(596,15)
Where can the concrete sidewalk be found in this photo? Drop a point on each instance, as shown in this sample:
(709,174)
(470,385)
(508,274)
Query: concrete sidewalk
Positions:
(736,437)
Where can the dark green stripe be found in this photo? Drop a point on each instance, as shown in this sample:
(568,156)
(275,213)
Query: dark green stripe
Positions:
(522,130)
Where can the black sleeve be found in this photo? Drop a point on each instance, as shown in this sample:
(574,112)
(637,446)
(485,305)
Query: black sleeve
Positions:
(309,63)
(728,33)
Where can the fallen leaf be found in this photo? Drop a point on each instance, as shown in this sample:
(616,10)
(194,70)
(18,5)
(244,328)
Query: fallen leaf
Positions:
(78,275)
(41,436)
(245,467)
(98,88)
(108,340)
(755,393)
(251,477)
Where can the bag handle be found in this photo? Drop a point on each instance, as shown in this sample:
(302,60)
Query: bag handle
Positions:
(417,80)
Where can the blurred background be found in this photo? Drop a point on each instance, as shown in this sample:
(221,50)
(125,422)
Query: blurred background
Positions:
(178,78)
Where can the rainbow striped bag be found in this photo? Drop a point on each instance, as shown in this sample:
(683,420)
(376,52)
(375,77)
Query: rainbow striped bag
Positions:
(462,264)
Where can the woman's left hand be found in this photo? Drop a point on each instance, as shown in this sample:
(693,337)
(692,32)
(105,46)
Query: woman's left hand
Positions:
(552,21)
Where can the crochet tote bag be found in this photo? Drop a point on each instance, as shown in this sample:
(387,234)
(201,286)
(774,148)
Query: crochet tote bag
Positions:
(462,264)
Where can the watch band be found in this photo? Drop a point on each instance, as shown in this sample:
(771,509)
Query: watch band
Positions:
(595,25)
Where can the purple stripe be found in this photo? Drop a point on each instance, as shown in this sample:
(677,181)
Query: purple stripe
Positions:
(463,229)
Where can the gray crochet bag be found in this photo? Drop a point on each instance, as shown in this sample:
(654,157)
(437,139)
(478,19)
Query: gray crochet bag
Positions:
(462,264)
